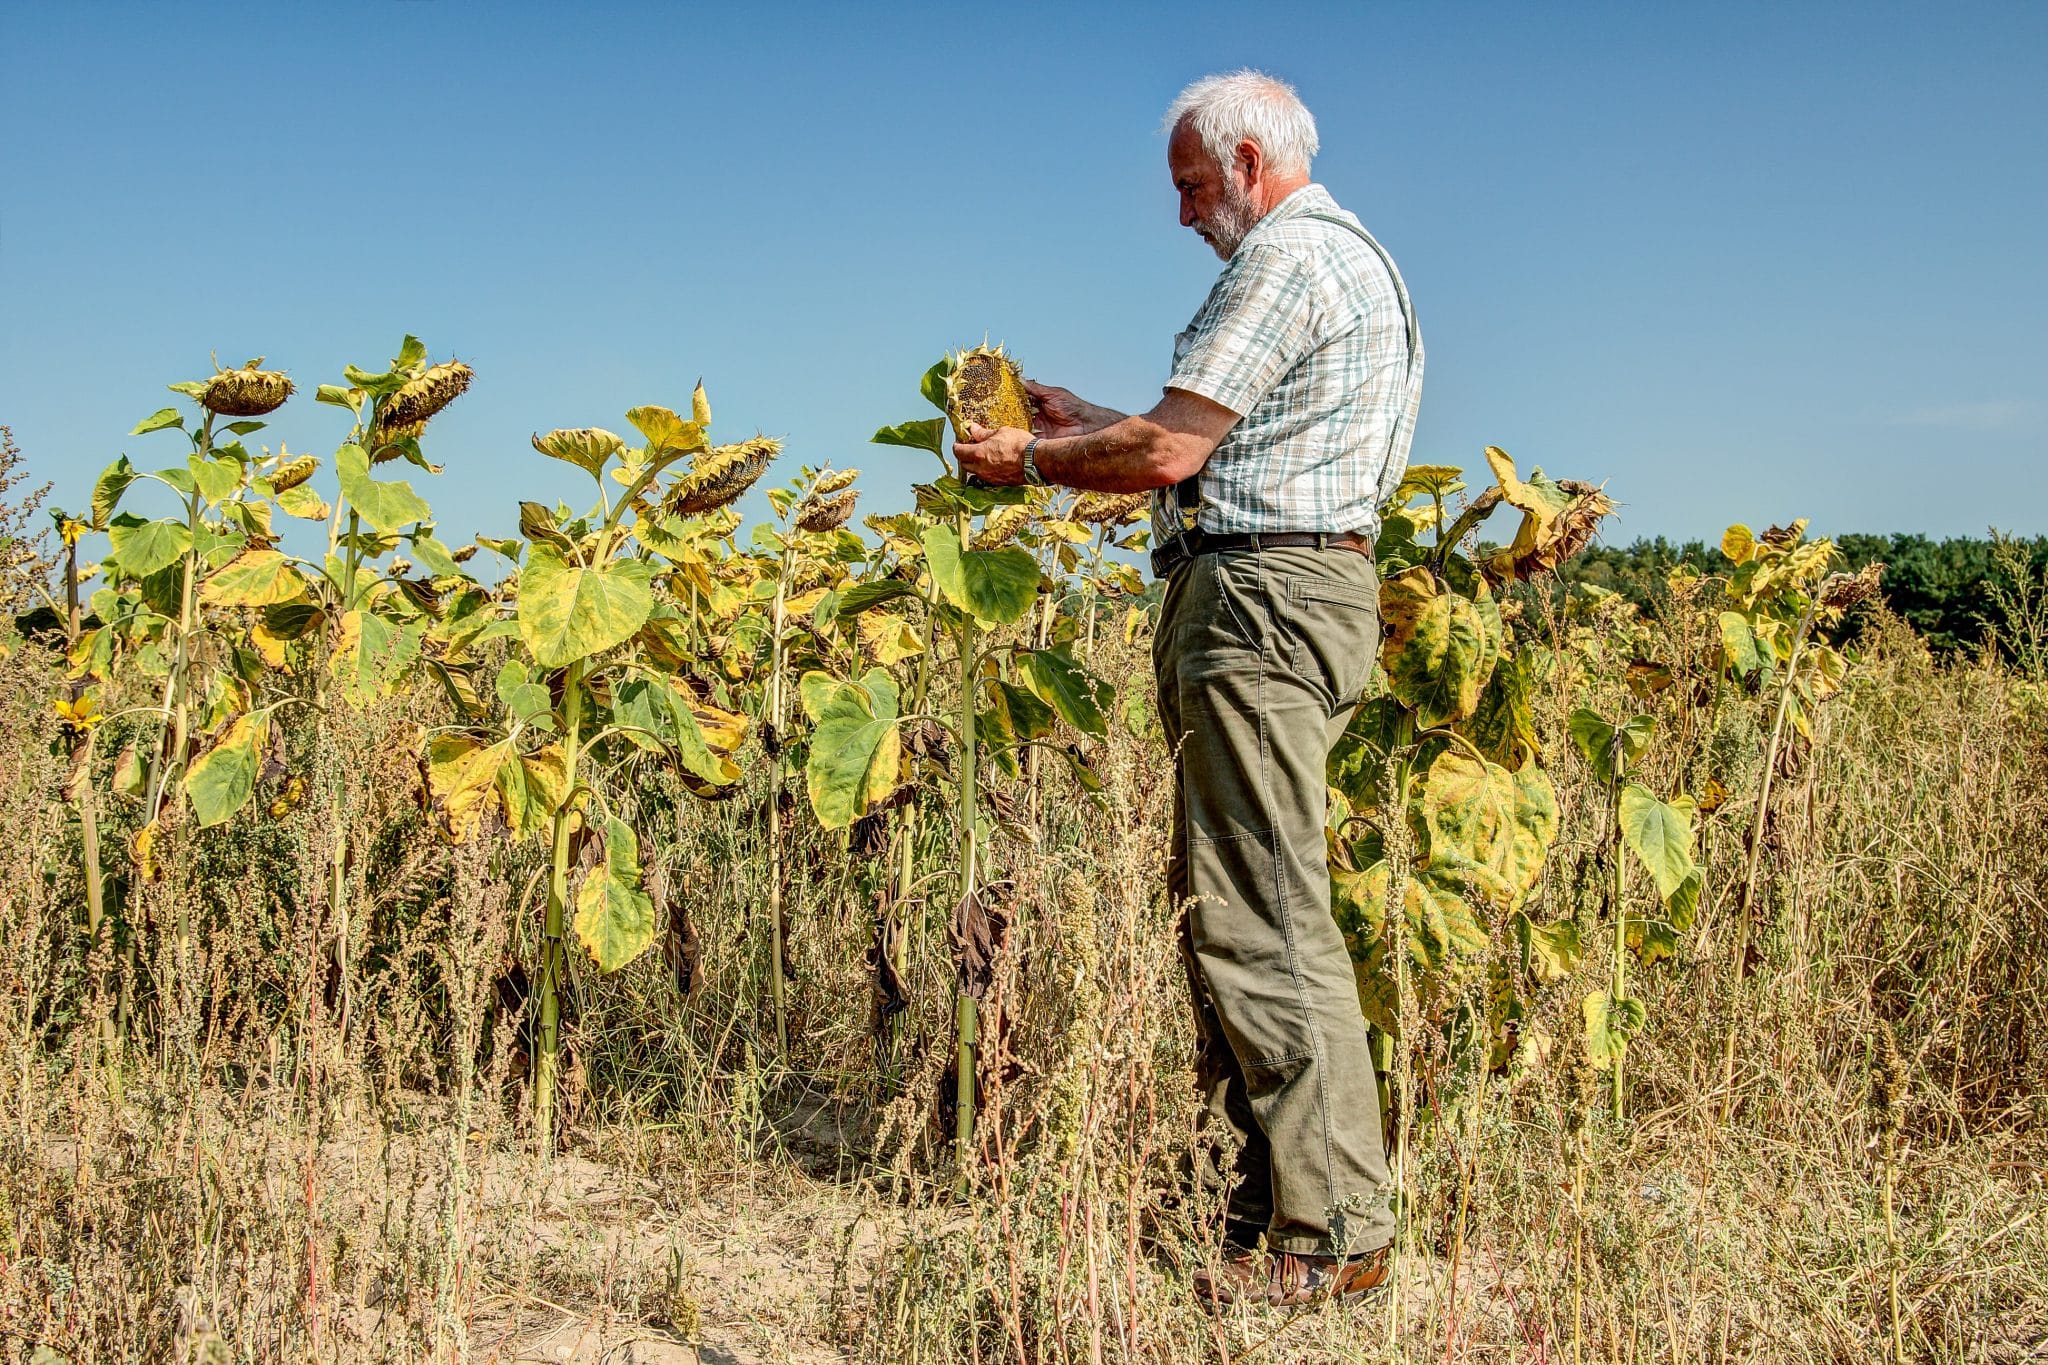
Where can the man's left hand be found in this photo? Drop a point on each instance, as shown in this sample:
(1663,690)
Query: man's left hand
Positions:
(993,455)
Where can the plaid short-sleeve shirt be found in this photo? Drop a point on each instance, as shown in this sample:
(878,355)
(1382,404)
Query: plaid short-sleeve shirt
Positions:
(1305,335)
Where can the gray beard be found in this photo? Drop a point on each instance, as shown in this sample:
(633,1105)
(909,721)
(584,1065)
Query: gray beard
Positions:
(1233,222)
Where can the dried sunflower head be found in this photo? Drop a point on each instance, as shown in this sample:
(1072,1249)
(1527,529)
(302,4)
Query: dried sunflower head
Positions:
(291,475)
(826,513)
(1842,591)
(719,475)
(986,387)
(1111,509)
(1003,526)
(421,398)
(835,481)
(385,435)
(247,392)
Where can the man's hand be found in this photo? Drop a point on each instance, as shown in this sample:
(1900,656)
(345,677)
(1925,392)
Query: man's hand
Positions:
(995,456)
(1060,413)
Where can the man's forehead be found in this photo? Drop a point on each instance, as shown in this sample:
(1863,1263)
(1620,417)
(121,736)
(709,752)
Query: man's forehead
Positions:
(1184,150)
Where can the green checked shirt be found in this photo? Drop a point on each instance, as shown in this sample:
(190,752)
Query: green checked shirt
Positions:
(1309,336)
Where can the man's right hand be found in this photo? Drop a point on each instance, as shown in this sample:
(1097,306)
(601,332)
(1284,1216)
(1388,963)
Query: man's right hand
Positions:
(1061,414)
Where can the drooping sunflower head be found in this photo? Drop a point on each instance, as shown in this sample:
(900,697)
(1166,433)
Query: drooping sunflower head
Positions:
(247,392)
(826,511)
(422,397)
(720,475)
(986,387)
(1110,509)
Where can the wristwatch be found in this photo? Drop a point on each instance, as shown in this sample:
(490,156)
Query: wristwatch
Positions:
(1031,474)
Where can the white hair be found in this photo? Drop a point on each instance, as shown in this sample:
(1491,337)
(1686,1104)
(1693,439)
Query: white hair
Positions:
(1247,106)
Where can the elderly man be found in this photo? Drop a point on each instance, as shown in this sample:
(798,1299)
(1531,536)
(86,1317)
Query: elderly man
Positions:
(1286,421)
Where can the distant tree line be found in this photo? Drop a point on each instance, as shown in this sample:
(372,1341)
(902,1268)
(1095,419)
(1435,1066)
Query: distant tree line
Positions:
(1946,589)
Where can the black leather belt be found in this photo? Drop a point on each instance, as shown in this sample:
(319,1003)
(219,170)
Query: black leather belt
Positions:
(1189,544)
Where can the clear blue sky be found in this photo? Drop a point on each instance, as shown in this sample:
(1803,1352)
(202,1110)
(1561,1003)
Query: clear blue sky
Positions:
(1743,262)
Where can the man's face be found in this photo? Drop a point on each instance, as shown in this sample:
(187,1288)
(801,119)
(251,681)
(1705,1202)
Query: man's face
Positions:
(1215,200)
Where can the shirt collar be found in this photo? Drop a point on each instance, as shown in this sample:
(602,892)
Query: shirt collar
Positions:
(1310,198)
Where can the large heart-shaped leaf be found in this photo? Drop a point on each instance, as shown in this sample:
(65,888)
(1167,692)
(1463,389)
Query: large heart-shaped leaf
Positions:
(222,779)
(614,917)
(1436,651)
(141,548)
(254,578)
(1610,1023)
(1660,834)
(569,612)
(386,504)
(1070,689)
(995,587)
(856,751)
(929,434)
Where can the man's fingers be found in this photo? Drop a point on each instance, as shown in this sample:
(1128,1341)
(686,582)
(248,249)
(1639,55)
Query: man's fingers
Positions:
(978,433)
(1038,390)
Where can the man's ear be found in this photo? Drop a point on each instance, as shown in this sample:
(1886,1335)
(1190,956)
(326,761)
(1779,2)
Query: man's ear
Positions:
(1250,161)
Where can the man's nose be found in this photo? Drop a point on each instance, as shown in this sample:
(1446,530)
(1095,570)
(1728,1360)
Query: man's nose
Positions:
(1187,211)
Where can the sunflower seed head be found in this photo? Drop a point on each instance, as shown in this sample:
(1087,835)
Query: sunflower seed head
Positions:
(1842,591)
(290,476)
(827,513)
(720,475)
(1111,509)
(385,434)
(245,393)
(421,398)
(986,387)
(835,481)
(1003,526)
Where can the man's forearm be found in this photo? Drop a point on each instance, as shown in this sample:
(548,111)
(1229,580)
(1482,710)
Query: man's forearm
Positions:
(1126,455)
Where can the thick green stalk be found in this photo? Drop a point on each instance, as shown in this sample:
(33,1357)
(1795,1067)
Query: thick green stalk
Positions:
(177,687)
(553,951)
(776,985)
(1617,987)
(337,868)
(895,938)
(965,1013)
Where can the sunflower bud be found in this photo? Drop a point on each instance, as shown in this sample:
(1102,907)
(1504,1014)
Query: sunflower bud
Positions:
(835,481)
(421,398)
(247,392)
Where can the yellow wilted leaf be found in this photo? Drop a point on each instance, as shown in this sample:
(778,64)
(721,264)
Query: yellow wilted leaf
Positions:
(1737,543)
(888,639)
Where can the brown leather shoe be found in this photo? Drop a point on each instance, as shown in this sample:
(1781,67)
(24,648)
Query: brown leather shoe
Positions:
(1287,1280)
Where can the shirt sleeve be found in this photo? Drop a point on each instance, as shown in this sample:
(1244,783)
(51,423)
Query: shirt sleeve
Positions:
(1252,331)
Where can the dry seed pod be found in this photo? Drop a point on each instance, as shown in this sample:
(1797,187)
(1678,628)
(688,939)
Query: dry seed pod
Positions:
(1004,525)
(986,387)
(1890,1081)
(1110,509)
(290,476)
(248,392)
(421,398)
(835,481)
(721,474)
(825,513)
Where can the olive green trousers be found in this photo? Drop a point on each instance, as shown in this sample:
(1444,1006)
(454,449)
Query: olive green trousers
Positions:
(1261,655)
